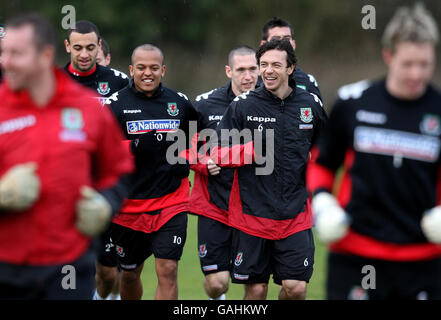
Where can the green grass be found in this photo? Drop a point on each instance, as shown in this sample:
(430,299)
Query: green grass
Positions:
(190,276)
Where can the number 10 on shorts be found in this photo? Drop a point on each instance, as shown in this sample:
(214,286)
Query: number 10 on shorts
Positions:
(177,240)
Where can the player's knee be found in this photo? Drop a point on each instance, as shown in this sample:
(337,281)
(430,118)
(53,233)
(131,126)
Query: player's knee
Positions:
(294,289)
(130,276)
(167,269)
(256,291)
(216,285)
(106,274)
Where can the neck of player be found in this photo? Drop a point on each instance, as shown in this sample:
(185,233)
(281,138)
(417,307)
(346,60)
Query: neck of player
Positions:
(42,88)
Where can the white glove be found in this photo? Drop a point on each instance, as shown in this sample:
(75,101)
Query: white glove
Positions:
(431,224)
(331,221)
(19,187)
(93,212)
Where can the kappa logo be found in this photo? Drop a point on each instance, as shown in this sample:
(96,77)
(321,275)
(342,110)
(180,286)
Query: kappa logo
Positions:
(260,119)
(103,88)
(306,115)
(202,250)
(239,259)
(172,109)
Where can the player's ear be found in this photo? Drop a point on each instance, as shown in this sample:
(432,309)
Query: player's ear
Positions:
(387,55)
(163,70)
(228,72)
(131,71)
(66,45)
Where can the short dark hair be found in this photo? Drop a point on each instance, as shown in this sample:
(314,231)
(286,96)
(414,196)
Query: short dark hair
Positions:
(274,23)
(240,50)
(105,47)
(281,45)
(44,32)
(83,27)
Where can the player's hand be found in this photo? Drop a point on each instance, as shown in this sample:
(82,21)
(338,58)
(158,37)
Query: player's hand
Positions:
(93,212)
(331,221)
(19,187)
(431,224)
(213,168)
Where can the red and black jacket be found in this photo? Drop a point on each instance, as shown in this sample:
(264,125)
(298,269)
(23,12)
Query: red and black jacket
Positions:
(274,205)
(389,150)
(160,189)
(210,194)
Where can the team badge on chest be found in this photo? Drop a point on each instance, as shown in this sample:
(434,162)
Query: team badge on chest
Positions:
(306,115)
(103,88)
(172,109)
(430,125)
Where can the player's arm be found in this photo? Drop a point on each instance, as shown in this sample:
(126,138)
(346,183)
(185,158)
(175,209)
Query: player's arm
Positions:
(230,147)
(331,221)
(111,165)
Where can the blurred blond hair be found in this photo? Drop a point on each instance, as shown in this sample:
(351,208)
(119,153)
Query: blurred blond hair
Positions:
(410,25)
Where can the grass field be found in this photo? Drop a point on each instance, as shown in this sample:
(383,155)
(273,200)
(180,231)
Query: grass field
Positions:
(190,276)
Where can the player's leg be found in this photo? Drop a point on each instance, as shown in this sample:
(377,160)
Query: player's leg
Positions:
(106,271)
(256,291)
(214,249)
(167,272)
(167,246)
(293,263)
(132,249)
(131,284)
(251,264)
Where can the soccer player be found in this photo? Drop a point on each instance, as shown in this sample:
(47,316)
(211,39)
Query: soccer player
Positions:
(154,217)
(279,29)
(61,172)
(269,205)
(212,186)
(83,43)
(385,221)
(103,57)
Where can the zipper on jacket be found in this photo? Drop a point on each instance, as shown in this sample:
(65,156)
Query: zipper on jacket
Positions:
(282,106)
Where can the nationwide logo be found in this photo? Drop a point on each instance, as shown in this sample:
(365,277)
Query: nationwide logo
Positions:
(239,259)
(143,126)
(172,109)
(306,115)
(103,88)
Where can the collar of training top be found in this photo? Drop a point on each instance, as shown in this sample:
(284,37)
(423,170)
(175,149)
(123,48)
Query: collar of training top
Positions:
(77,73)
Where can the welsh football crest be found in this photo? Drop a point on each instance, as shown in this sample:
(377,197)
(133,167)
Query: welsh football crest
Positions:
(306,115)
(202,250)
(2,32)
(239,259)
(172,109)
(430,124)
(103,88)
(72,119)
